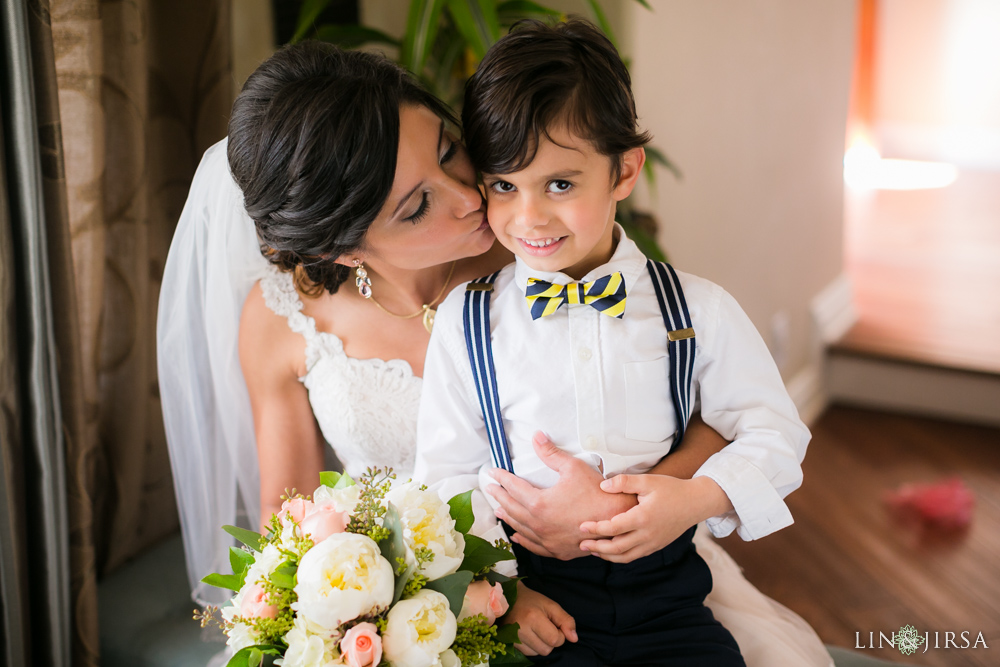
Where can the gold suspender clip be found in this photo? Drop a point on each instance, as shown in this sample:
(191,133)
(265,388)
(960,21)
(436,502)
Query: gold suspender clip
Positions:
(680,334)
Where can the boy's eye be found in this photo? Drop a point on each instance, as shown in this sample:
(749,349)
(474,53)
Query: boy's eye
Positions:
(560,186)
(502,187)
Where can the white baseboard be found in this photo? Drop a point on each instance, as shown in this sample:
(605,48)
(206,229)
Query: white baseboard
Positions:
(833,310)
(904,387)
(807,391)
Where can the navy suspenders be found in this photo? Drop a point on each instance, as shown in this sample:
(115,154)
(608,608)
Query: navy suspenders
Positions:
(478,341)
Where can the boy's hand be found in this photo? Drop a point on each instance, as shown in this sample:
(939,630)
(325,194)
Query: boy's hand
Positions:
(544,625)
(548,521)
(667,507)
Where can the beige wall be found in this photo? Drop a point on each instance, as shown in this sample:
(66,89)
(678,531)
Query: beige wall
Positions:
(749,98)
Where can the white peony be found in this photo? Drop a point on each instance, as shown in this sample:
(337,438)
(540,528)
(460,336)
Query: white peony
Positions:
(344,500)
(264,564)
(341,578)
(419,630)
(307,647)
(427,523)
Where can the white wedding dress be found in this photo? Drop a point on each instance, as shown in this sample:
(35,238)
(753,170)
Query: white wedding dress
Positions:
(366,409)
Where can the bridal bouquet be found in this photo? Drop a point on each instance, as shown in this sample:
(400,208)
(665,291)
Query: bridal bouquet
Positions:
(367,573)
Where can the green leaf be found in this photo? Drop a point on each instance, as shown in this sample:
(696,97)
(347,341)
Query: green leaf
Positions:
(352,36)
(515,10)
(231,581)
(512,658)
(647,244)
(247,537)
(508,633)
(645,4)
(311,9)
(461,511)
(329,478)
(345,482)
(602,20)
(243,657)
(421,31)
(478,22)
(284,576)
(240,561)
(655,155)
(393,548)
(453,587)
(479,554)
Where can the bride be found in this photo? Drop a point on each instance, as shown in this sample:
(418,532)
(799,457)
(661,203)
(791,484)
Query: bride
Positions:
(345,168)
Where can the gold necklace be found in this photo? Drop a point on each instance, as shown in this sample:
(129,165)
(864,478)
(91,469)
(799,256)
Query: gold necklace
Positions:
(426,309)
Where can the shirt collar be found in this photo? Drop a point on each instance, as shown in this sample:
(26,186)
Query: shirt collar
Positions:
(626,258)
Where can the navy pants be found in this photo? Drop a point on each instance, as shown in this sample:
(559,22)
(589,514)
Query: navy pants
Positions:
(648,612)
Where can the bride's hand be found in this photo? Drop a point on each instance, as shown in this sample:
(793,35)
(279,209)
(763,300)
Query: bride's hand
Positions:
(548,521)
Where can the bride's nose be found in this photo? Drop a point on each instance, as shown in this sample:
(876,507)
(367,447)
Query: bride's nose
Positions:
(467,198)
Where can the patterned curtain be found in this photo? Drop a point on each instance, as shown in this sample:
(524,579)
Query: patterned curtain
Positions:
(99,150)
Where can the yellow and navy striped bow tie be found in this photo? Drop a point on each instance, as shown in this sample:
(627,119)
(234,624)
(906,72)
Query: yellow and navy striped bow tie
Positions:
(606,294)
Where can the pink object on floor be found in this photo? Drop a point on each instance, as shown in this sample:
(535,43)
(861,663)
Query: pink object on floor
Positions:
(945,504)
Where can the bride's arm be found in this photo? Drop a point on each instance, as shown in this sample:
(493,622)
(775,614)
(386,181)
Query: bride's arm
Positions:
(548,521)
(289,446)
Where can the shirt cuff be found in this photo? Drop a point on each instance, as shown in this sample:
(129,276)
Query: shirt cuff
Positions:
(758,509)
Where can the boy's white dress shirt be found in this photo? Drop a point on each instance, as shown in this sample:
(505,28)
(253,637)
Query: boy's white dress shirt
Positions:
(598,387)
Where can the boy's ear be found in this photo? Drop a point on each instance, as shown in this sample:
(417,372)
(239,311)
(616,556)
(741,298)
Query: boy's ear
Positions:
(632,162)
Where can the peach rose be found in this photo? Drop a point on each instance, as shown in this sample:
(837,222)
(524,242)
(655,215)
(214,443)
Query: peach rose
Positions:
(255,604)
(296,509)
(322,521)
(481,598)
(361,646)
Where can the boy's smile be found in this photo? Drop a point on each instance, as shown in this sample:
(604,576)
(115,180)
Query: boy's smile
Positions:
(557,214)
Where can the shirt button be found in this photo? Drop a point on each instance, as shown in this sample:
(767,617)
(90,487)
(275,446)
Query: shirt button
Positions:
(584,354)
(591,442)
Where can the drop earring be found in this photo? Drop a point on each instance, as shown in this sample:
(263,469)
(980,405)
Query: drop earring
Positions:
(363,282)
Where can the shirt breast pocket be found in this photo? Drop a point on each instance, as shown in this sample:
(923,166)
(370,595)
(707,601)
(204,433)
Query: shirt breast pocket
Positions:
(648,406)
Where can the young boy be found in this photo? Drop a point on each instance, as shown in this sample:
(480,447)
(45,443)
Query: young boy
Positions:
(606,352)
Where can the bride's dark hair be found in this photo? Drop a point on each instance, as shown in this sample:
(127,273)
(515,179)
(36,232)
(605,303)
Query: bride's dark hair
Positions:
(312,143)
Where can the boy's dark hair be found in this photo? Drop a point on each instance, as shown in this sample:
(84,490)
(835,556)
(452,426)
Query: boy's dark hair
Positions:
(313,139)
(538,75)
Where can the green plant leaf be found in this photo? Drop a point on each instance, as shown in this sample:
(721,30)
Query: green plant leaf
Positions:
(515,10)
(243,657)
(453,587)
(352,36)
(393,548)
(329,478)
(284,576)
(480,554)
(602,20)
(478,22)
(247,537)
(508,633)
(645,4)
(240,561)
(656,156)
(421,31)
(461,511)
(345,482)
(231,581)
(646,243)
(311,9)
(512,658)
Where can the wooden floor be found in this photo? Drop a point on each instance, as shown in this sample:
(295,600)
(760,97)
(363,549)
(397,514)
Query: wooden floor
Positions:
(848,566)
(925,265)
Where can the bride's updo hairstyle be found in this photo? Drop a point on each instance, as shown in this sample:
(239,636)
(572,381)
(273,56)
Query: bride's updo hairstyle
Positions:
(313,139)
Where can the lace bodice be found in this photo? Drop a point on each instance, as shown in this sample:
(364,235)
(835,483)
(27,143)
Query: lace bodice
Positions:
(366,408)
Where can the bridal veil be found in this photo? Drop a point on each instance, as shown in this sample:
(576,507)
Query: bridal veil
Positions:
(213,262)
